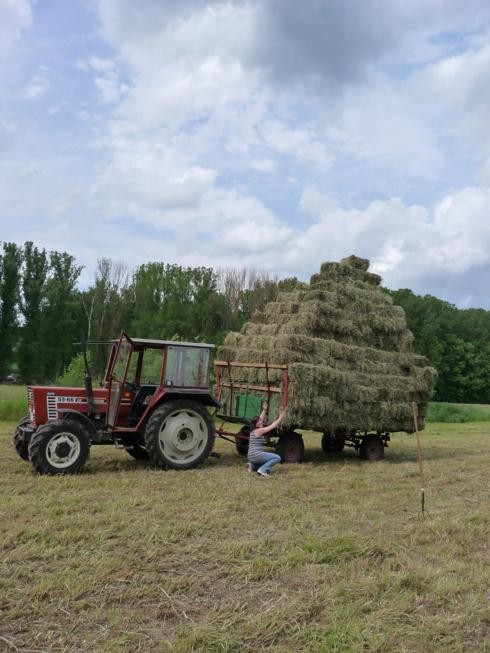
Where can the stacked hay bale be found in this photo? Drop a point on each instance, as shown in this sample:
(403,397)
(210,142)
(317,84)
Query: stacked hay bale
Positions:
(348,349)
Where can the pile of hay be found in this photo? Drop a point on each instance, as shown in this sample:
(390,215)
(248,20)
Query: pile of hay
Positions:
(348,349)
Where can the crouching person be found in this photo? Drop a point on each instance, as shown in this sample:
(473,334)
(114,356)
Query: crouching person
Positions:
(261,461)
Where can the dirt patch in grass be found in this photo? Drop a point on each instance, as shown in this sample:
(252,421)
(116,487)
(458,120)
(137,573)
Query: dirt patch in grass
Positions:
(326,556)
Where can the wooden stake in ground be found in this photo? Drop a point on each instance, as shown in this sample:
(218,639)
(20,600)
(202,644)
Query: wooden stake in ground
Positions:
(419,457)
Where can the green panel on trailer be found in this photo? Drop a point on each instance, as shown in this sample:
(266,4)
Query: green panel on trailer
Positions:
(248,406)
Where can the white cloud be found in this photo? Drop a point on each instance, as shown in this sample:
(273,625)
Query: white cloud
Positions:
(107,81)
(37,88)
(405,243)
(303,143)
(15,17)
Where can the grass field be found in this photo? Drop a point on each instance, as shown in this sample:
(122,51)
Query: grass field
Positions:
(328,556)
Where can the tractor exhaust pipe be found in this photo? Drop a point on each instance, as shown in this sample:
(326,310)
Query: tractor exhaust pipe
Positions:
(89,391)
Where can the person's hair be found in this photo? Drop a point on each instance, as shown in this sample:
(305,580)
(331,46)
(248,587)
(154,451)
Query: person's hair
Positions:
(254,420)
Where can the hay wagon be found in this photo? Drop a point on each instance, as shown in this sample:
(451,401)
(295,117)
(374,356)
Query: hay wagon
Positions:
(241,400)
(337,352)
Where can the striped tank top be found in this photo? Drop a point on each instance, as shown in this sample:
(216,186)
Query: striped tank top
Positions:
(255,446)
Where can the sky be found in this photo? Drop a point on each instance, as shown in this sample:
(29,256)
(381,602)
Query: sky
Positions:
(267,134)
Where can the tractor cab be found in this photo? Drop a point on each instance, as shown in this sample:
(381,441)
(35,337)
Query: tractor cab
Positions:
(141,371)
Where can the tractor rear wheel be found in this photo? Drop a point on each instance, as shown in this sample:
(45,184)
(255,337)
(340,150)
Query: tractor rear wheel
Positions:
(21,445)
(59,447)
(241,444)
(179,435)
(138,452)
(331,444)
(372,448)
(291,447)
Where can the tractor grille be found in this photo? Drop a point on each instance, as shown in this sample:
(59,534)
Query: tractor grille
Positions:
(30,404)
(52,406)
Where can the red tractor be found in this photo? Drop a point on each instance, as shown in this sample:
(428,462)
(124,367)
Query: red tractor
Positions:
(153,403)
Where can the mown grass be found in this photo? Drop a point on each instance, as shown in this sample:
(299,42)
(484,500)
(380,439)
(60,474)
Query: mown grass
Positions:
(328,556)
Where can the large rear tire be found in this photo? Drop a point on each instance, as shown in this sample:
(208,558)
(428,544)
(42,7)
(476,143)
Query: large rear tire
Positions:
(179,435)
(291,447)
(59,447)
(21,444)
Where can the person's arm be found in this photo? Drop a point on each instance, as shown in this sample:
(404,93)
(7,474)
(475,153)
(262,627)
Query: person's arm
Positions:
(265,410)
(265,429)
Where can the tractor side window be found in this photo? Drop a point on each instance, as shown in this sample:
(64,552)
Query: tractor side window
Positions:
(133,364)
(187,367)
(121,360)
(152,366)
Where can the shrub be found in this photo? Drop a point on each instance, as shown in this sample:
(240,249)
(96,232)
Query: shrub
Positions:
(75,373)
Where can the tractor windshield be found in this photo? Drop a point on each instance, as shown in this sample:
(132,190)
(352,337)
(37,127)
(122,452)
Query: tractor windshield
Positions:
(187,366)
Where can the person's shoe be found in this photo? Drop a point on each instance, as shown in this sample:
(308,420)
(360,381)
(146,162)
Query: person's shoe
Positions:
(248,467)
(262,473)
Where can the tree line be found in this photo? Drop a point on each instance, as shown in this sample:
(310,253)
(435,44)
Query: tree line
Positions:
(43,312)
(456,341)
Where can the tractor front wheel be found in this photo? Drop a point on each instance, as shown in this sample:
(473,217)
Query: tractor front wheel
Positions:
(179,435)
(291,447)
(372,448)
(59,447)
(21,445)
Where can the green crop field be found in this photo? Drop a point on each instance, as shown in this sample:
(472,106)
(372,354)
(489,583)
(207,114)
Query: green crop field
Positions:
(328,556)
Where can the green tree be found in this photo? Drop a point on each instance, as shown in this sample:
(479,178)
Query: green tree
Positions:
(10,262)
(170,299)
(34,273)
(456,341)
(105,308)
(61,314)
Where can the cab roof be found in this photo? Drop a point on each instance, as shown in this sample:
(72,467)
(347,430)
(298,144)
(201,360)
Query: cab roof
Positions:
(146,343)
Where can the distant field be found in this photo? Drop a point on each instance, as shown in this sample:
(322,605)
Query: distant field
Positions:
(13,401)
(11,392)
(458,413)
(328,556)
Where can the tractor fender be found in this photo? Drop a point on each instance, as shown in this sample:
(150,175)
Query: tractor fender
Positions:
(204,398)
(82,419)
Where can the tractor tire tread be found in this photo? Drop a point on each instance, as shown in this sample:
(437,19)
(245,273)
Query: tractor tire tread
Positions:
(152,434)
(37,447)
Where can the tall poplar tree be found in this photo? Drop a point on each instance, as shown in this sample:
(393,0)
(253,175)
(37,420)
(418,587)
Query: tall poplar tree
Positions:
(34,273)
(61,314)
(10,261)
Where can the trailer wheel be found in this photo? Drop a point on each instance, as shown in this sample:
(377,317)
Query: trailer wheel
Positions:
(372,448)
(332,444)
(179,435)
(291,447)
(138,452)
(241,445)
(21,445)
(59,447)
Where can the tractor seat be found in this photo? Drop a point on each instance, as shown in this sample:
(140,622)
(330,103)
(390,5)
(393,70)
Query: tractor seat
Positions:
(140,402)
